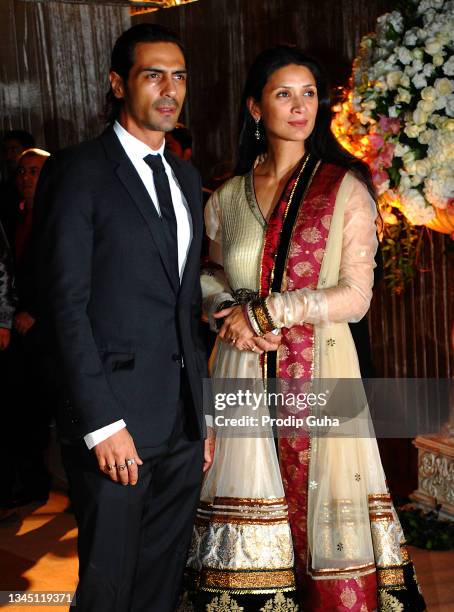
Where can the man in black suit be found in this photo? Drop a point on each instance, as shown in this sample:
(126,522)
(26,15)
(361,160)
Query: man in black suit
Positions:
(120,233)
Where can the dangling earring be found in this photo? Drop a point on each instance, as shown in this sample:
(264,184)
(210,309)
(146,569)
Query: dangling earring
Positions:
(257,129)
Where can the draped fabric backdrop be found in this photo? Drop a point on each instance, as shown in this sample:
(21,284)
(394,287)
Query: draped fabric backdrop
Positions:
(54,66)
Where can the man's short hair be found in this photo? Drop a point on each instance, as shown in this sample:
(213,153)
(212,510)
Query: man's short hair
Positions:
(122,58)
(25,138)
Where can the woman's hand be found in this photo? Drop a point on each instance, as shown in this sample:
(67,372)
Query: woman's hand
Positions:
(237,331)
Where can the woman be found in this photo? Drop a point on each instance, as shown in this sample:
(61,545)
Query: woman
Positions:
(294,239)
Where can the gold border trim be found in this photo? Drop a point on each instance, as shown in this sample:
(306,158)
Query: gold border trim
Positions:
(237,579)
(366,568)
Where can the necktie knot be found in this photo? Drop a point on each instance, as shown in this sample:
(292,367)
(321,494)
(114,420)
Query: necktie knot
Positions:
(155,162)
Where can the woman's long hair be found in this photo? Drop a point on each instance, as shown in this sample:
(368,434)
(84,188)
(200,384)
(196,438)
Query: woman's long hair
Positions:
(320,143)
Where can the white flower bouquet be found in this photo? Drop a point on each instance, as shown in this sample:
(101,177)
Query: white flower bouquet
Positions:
(399,112)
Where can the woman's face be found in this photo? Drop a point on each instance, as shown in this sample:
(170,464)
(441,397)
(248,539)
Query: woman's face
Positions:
(289,104)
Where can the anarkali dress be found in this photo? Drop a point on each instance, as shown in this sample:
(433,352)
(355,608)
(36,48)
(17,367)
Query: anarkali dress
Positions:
(304,522)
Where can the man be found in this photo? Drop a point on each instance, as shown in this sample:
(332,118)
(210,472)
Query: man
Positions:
(120,234)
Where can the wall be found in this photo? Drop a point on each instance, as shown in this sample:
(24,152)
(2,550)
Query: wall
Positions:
(53,73)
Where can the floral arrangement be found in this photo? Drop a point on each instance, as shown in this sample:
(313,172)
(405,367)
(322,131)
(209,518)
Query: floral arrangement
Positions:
(399,113)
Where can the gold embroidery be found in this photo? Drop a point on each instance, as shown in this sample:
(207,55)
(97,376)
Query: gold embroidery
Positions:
(307,354)
(367,568)
(389,603)
(251,501)
(348,597)
(326,221)
(303,268)
(390,577)
(224,603)
(280,604)
(241,546)
(319,254)
(295,335)
(311,235)
(331,342)
(357,477)
(238,520)
(246,580)
(295,370)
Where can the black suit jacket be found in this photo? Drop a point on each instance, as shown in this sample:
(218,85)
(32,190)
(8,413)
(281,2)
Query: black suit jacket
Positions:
(122,321)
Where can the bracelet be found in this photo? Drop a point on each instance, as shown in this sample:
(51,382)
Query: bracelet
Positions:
(249,316)
(261,316)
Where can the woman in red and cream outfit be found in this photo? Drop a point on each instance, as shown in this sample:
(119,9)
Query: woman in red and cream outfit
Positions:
(304,522)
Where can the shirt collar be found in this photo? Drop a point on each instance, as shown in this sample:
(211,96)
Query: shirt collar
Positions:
(134,147)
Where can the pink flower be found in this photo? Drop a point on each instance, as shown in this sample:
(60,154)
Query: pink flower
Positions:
(376,141)
(389,124)
(386,154)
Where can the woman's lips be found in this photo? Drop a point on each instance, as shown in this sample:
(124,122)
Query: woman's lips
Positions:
(300,123)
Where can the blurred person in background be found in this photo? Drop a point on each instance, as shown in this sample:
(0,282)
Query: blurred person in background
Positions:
(29,371)
(15,142)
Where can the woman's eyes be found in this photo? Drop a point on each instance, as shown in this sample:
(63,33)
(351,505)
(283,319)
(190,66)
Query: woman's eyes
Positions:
(310,93)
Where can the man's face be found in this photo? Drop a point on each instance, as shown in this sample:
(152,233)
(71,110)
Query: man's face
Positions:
(154,92)
(27,175)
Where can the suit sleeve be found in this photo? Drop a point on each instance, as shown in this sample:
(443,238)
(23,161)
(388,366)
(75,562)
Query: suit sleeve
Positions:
(64,248)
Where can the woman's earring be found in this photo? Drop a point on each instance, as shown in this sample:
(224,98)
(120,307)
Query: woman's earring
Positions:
(257,129)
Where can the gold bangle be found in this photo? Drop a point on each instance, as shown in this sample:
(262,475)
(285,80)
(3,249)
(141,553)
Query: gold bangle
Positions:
(262,316)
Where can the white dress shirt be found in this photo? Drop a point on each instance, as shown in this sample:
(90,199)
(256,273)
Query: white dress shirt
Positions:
(136,150)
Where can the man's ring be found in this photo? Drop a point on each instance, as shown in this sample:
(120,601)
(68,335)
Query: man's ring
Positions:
(253,349)
(130,461)
(233,340)
(121,467)
(109,467)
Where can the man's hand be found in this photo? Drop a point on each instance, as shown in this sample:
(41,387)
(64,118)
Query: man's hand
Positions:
(5,337)
(210,444)
(23,322)
(117,457)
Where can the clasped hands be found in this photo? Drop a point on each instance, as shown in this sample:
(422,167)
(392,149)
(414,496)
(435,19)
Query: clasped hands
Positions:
(237,331)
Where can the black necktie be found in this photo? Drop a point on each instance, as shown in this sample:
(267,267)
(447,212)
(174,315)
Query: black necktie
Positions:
(169,221)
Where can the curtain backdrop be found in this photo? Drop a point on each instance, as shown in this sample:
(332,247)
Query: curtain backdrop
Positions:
(54,66)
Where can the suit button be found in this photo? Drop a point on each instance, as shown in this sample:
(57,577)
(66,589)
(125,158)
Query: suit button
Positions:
(176,357)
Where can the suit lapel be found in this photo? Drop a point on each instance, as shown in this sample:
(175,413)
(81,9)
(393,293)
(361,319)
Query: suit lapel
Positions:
(128,176)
